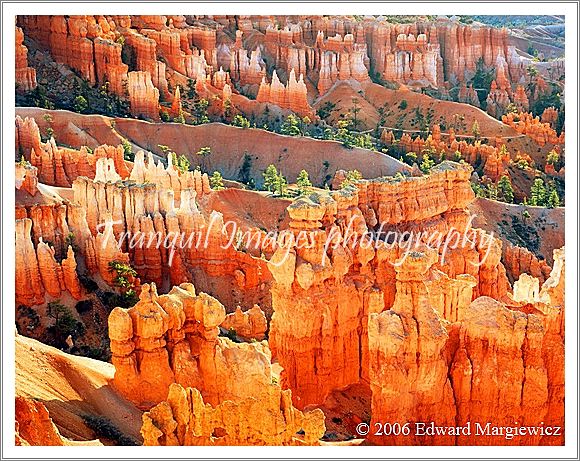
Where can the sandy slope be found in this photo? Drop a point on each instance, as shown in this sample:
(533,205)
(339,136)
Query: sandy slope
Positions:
(70,387)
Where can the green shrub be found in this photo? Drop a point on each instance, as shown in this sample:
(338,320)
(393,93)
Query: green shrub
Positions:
(241,121)
(80,104)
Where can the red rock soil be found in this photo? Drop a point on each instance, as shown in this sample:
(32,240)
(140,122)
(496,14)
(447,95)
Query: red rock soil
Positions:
(549,223)
(228,145)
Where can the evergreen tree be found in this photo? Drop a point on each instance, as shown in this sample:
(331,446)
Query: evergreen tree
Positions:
(475,130)
(80,104)
(191,91)
(553,199)
(127,150)
(526,216)
(492,191)
(426,164)
(352,176)
(411,158)
(538,193)
(203,153)
(182,163)
(303,181)
(291,126)
(505,189)
(241,121)
(216,181)
(281,186)
(271,178)
(553,158)
(200,112)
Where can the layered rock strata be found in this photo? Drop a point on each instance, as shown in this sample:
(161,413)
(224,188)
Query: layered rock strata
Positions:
(337,269)
(184,419)
(201,389)
(25,75)
(461,376)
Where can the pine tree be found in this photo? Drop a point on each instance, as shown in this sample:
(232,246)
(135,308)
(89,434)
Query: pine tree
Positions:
(303,182)
(426,164)
(538,193)
(127,150)
(526,216)
(271,178)
(352,176)
(281,186)
(553,158)
(216,181)
(203,153)
(291,126)
(553,199)
(182,163)
(505,189)
(475,130)
(241,121)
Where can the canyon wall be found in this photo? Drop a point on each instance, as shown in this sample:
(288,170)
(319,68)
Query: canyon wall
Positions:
(173,338)
(144,59)
(336,276)
(490,366)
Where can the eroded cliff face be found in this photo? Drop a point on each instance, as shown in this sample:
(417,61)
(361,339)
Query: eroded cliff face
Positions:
(48,266)
(155,218)
(146,216)
(335,276)
(184,419)
(144,59)
(169,359)
(407,373)
(25,75)
(489,366)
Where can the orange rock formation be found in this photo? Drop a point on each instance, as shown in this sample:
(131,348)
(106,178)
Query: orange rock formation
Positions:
(37,270)
(525,123)
(166,342)
(34,426)
(251,324)
(184,419)
(60,166)
(290,96)
(493,157)
(466,359)
(143,96)
(334,287)
(25,75)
